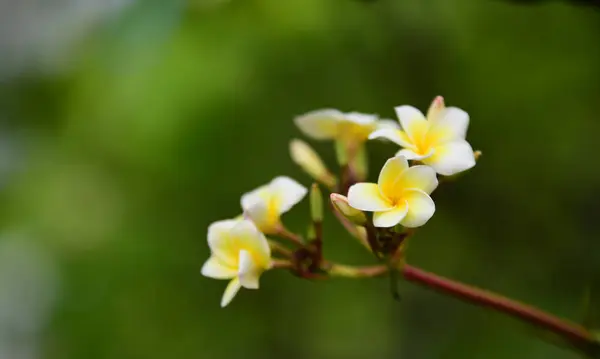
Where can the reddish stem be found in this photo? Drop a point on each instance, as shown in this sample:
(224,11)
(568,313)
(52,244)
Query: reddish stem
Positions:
(574,333)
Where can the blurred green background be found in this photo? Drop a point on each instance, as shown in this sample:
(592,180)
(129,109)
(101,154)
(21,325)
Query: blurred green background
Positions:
(126,127)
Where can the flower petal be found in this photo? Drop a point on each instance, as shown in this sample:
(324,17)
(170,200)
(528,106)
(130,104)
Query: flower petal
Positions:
(220,241)
(412,155)
(264,218)
(287,193)
(367,197)
(320,124)
(399,137)
(452,158)
(248,237)
(249,272)
(361,118)
(390,175)
(232,288)
(215,268)
(419,177)
(413,122)
(258,195)
(451,126)
(420,208)
(436,108)
(388,124)
(390,218)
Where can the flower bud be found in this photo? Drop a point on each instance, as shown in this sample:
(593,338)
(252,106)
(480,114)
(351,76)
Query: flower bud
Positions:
(341,205)
(305,157)
(316,203)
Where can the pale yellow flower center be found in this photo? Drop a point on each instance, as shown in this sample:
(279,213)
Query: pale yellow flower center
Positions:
(425,137)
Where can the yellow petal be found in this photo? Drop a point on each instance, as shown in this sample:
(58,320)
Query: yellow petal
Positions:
(390,175)
(419,177)
(247,237)
(413,123)
(367,197)
(320,124)
(420,208)
(217,269)
(232,288)
(390,218)
(220,241)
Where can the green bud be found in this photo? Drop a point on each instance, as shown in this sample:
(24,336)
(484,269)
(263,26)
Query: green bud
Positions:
(316,203)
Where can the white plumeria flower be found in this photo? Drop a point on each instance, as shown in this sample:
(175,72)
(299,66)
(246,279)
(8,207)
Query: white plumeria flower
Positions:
(330,124)
(267,203)
(239,252)
(401,195)
(437,141)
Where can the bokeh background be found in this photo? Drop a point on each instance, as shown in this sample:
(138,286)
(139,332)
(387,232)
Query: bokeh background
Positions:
(126,127)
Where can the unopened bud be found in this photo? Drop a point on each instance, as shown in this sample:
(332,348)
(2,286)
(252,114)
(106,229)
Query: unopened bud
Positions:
(436,107)
(316,203)
(341,205)
(305,157)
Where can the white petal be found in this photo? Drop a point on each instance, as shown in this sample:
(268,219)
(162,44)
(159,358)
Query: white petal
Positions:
(261,194)
(288,193)
(215,268)
(419,177)
(452,158)
(388,124)
(451,126)
(361,118)
(249,272)
(219,241)
(399,137)
(232,288)
(390,218)
(412,155)
(320,124)
(248,237)
(420,208)
(262,217)
(413,122)
(390,175)
(367,197)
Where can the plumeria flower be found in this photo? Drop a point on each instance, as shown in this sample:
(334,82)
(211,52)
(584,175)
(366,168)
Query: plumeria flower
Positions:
(239,252)
(437,140)
(330,124)
(267,203)
(401,195)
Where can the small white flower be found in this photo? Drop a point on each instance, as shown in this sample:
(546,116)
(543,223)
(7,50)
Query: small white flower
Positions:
(267,203)
(239,252)
(401,195)
(437,141)
(330,124)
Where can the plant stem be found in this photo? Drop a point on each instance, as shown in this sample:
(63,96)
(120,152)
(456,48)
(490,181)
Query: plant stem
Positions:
(290,236)
(340,270)
(575,334)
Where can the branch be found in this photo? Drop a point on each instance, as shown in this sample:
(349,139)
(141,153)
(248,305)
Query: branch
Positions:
(575,334)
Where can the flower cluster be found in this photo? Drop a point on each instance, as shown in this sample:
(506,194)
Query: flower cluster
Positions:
(433,146)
